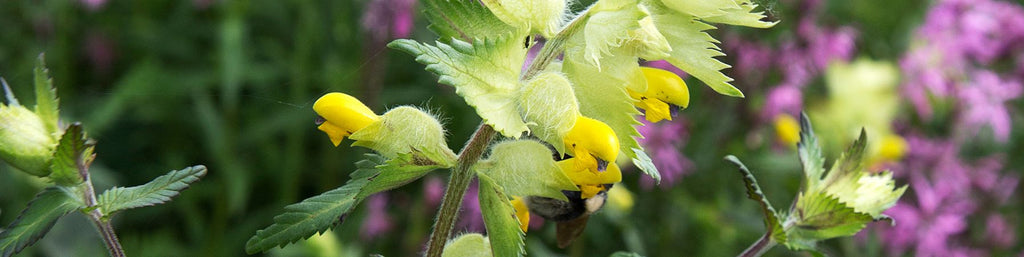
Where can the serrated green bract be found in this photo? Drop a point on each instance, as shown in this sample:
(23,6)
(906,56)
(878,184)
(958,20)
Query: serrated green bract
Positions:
(869,193)
(701,8)
(810,153)
(404,130)
(645,164)
(46,97)
(771,218)
(609,29)
(818,217)
(499,218)
(396,172)
(315,214)
(37,218)
(468,245)
(742,16)
(160,190)
(693,50)
(549,107)
(538,16)
(463,20)
(525,168)
(485,74)
(72,149)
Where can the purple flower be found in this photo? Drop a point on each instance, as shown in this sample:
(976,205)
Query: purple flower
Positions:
(984,103)
(433,191)
(93,5)
(783,99)
(387,19)
(664,141)
(377,221)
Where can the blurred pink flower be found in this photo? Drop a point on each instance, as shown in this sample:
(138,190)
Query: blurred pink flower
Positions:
(664,141)
(433,191)
(470,218)
(93,5)
(388,19)
(984,102)
(377,221)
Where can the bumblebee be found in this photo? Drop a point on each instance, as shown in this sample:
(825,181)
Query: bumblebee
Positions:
(570,217)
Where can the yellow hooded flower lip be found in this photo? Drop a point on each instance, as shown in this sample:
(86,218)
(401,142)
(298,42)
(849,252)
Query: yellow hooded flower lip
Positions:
(666,95)
(522,212)
(590,183)
(340,115)
(593,144)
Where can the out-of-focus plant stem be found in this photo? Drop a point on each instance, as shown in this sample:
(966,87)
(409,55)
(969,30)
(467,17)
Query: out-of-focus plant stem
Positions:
(477,145)
(95,215)
(762,245)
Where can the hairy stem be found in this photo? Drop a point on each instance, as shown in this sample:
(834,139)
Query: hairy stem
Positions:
(762,245)
(95,215)
(457,185)
(477,145)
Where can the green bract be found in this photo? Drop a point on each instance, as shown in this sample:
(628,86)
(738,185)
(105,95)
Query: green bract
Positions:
(525,168)
(407,130)
(549,107)
(538,16)
(24,142)
(468,245)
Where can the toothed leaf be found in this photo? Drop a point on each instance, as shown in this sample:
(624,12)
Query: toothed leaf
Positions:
(693,50)
(37,219)
(500,219)
(72,149)
(46,96)
(485,74)
(160,190)
(463,20)
(395,173)
(771,218)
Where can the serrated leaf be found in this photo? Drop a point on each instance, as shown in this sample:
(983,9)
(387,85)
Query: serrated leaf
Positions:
(810,153)
(693,50)
(525,168)
(74,147)
(46,96)
(37,219)
(701,8)
(315,214)
(602,93)
(771,218)
(485,74)
(820,216)
(609,29)
(645,164)
(160,190)
(744,15)
(499,218)
(463,20)
(394,173)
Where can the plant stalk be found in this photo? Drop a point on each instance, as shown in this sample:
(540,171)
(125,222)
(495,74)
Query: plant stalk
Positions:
(457,185)
(762,245)
(95,215)
(477,145)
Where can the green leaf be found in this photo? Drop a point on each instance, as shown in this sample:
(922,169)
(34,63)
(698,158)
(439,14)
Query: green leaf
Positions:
(645,164)
(771,218)
(500,219)
(395,173)
(74,149)
(468,245)
(160,190)
(525,168)
(700,8)
(485,73)
(742,16)
(693,50)
(810,153)
(538,16)
(46,96)
(37,218)
(315,214)
(609,29)
(819,217)
(463,20)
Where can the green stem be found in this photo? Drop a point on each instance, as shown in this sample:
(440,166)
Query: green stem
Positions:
(477,145)
(457,185)
(96,216)
(762,245)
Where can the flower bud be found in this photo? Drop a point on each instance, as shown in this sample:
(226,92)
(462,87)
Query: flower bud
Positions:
(666,94)
(340,115)
(407,130)
(593,144)
(24,141)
